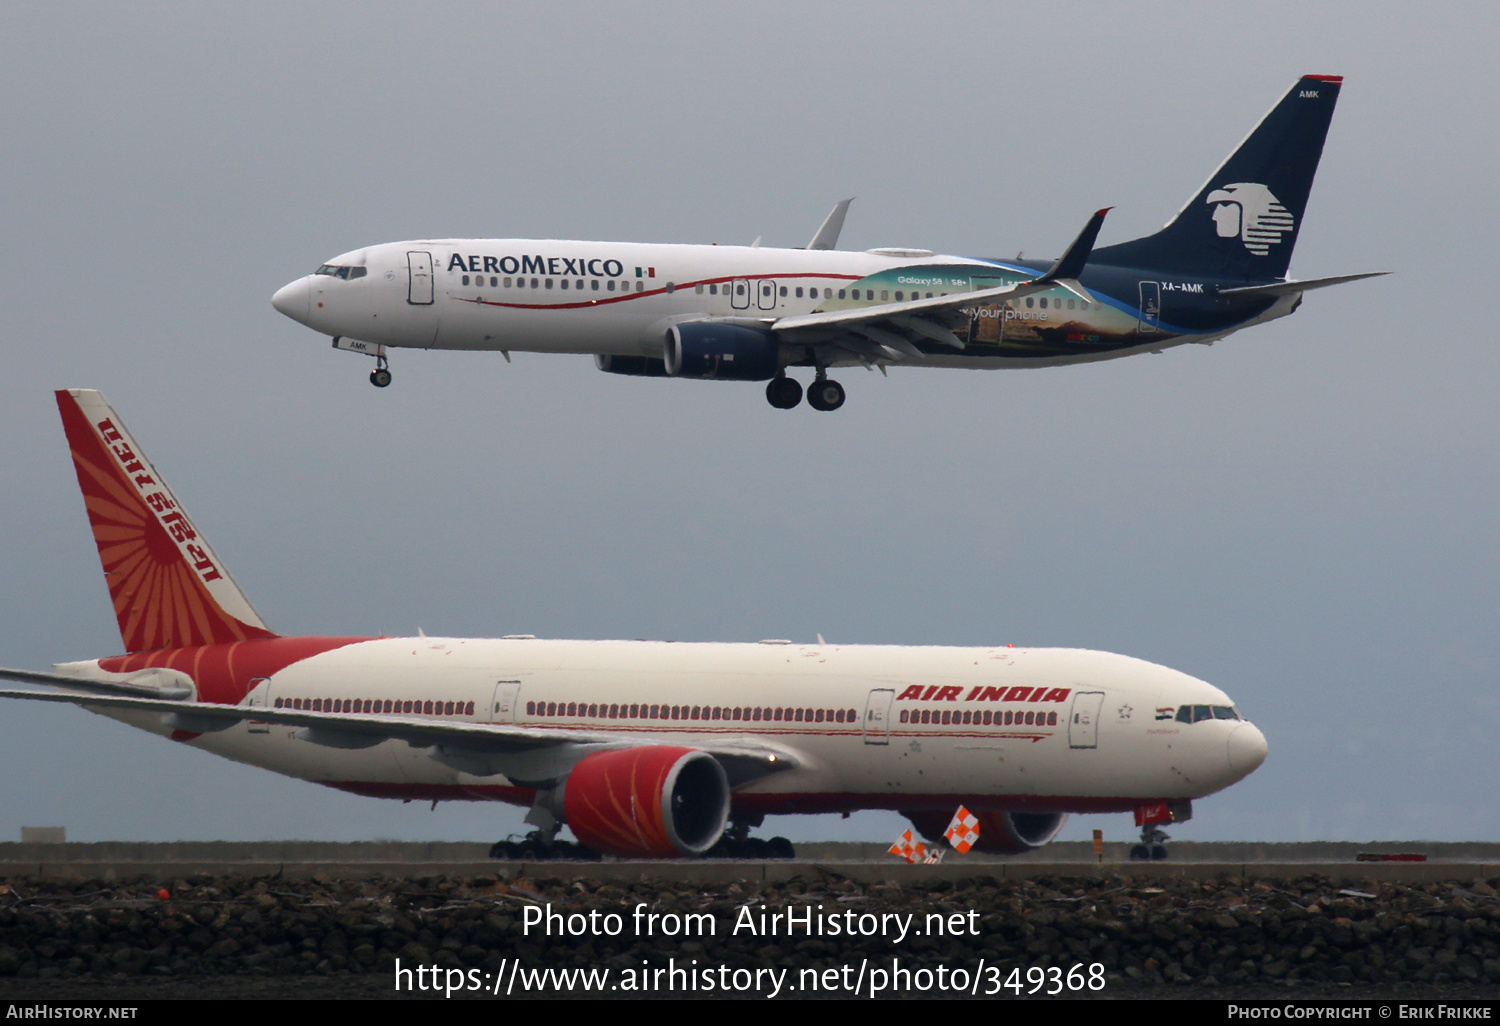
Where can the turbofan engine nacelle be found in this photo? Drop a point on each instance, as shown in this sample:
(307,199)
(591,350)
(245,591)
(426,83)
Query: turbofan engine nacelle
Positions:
(721,352)
(635,366)
(655,802)
(1000,833)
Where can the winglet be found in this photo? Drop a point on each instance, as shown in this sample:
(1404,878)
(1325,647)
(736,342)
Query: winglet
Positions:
(828,235)
(168,587)
(1070,264)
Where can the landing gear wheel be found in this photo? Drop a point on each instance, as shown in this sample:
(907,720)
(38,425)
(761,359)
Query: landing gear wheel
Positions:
(825,395)
(380,377)
(783,392)
(1140,853)
(1158,853)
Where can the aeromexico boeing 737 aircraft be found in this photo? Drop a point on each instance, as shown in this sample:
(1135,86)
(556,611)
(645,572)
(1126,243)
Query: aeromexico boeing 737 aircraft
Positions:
(747,313)
(643,749)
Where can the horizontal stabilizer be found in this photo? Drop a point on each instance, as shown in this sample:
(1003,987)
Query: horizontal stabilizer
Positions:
(154,683)
(1287,288)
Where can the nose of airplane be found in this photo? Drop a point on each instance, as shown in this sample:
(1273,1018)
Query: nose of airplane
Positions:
(1247,749)
(294,300)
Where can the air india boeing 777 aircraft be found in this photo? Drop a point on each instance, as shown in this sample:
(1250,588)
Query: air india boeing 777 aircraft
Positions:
(643,749)
(747,313)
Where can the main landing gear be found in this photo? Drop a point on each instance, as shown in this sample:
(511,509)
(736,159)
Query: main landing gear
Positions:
(738,844)
(823,394)
(536,847)
(1151,848)
(380,377)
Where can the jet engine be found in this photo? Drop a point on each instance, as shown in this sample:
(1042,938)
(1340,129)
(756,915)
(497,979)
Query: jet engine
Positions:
(653,802)
(1000,833)
(721,352)
(635,366)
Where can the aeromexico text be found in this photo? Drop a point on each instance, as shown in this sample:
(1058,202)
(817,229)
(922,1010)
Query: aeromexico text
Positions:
(555,266)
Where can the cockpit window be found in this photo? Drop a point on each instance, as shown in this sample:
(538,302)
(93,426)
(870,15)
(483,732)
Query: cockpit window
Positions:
(1195,713)
(337,271)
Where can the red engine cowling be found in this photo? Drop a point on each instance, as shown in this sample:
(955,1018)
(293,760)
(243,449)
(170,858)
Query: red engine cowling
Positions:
(1000,833)
(654,802)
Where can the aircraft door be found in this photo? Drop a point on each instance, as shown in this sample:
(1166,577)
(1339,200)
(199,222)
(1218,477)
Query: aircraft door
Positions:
(260,701)
(506,698)
(739,294)
(1083,721)
(1150,307)
(419,268)
(765,293)
(878,716)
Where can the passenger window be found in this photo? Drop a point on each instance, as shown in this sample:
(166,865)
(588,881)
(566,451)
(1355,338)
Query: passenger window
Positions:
(640,286)
(611,286)
(783,292)
(466,279)
(1071,302)
(533,283)
(1044,302)
(594,284)
(1083,304)
(549,283)
(799,292)
(507,283)
(1030,301)
(671,288)
(564,283)
(713,290)
(841,293)
(699,290)
(870,295)
(885,294)
(898,297)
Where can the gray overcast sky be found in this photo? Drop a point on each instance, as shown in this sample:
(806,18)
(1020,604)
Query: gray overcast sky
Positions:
(1303,514)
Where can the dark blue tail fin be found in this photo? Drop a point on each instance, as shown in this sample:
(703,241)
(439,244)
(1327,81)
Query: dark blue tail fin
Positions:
(1243,223)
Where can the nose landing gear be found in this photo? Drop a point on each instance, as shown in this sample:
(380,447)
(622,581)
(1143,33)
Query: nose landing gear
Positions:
(1151,848)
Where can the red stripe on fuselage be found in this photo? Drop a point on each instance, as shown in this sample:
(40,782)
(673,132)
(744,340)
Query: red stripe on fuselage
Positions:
(223,672)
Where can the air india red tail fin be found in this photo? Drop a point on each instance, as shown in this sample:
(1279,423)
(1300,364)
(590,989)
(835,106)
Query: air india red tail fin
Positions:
(168,587)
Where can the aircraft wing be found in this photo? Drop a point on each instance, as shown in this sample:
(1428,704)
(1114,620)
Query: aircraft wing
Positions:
(523,753)
(888,331)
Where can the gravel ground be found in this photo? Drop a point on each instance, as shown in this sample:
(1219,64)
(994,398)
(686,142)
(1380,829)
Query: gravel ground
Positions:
(241,937)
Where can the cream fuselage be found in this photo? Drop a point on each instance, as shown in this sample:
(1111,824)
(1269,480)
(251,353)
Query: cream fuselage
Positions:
(1107,749)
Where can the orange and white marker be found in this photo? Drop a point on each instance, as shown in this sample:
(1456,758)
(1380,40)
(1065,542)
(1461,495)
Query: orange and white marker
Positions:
(963,832)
